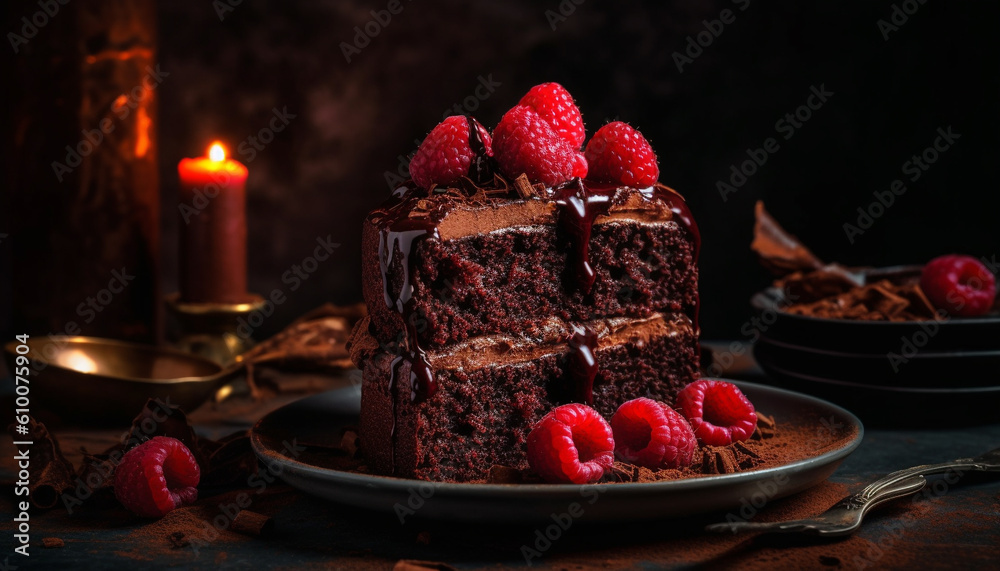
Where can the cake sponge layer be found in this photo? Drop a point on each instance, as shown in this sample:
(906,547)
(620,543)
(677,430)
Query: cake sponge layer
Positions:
(490,391)
(514,279)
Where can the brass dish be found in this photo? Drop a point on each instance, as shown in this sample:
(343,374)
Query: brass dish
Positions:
(90,380)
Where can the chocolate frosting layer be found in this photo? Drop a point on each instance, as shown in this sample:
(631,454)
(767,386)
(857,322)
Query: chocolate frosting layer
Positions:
(580,340)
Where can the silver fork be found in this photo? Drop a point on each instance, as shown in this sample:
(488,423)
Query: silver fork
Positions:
(845,517)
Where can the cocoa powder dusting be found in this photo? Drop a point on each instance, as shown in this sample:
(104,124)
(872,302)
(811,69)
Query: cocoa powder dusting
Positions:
(768,447)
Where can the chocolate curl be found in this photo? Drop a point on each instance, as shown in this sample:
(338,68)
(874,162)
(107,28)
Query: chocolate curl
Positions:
(780,252)
(317,341)
(51,474)
(252,523)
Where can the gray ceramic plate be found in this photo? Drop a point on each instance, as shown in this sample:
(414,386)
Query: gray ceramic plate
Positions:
(313,421)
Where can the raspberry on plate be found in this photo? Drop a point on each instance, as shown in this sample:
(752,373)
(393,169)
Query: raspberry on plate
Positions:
(524,143)
(617,153)
(718,411)
(571,444)
(556,107)
(157,476)
(445,155)
(651,434)
(960,285)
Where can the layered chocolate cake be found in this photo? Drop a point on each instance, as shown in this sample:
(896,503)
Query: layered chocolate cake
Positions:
(494,298)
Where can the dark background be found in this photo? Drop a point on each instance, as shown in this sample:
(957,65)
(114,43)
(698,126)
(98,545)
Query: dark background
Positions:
(353,120)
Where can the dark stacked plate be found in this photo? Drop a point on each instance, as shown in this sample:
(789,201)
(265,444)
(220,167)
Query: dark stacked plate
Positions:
(888,373)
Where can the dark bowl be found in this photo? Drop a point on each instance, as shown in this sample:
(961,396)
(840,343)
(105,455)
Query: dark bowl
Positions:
(973,334)
(895,368)
(896,407)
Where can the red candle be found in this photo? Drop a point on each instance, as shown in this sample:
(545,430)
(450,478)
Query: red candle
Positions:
(213,229)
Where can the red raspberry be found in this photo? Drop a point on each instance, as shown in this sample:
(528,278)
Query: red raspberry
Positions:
(718,412)
(156,477)
(651,434)
(524,143)
(555,106)
(445,155)
(617,153)
(960,285)
(571,444)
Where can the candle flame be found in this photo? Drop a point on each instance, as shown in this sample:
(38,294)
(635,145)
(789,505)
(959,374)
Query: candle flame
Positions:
(217,152)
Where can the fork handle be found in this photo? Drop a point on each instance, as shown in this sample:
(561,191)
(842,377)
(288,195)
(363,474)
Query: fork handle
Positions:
(939,468)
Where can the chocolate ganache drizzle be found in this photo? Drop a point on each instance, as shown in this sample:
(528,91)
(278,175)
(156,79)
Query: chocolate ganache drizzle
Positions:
(583,366)
(580,202)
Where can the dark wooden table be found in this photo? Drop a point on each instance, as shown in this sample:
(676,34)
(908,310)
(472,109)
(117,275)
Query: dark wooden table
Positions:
(952,525)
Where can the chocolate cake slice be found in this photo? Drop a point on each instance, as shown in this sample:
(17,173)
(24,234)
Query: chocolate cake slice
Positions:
(489,304)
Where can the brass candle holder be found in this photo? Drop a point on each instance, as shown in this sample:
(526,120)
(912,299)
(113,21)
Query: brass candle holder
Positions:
(211,330)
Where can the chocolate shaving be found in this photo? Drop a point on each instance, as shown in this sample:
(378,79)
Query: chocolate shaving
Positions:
(766,427)
(51,474)
(317,341)
(416,565)
(780,252)
(252,523)
(524,188)
(806,287)
(739,446)
(881,301)
(717,460)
